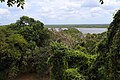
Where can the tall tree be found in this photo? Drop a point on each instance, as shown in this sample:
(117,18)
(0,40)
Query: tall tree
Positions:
(114,47)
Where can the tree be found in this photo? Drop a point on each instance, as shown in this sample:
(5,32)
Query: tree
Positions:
(108,60)
(12,46)
(24,47)
(31,30)
(20,3)
(114,47)
(57,61)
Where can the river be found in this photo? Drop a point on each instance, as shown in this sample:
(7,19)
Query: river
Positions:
(85,30)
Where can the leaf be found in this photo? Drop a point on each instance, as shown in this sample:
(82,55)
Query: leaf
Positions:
(18,5)
(101,1)
(22,7)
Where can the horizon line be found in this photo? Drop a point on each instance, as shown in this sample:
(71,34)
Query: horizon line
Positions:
(79,24)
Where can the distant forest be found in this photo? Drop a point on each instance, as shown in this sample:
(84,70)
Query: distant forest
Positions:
(78,26)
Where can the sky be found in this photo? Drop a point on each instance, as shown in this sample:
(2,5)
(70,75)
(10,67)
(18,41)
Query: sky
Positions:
(62,11)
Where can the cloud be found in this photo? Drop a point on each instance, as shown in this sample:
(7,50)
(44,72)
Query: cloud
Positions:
(64,11)
(111,4)
(4,11)
(55,7)
(90,3)
(59,9)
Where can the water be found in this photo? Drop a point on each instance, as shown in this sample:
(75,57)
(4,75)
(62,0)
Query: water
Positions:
(85,30)
(92,30)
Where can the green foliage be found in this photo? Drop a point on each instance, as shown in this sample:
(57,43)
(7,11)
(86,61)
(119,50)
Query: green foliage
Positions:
(91,40)
(57,61)
(81,60)
(23,48)
(114,47)
(75,34)
(63,58)
(2,75)
(80,48)
(13,70)
(73,74)
(31,30)
(107,63)
(20,3)
(68,37)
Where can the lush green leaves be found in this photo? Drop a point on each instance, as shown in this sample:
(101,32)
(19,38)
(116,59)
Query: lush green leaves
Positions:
(20,3)
(57,61)
(73,74)
(23,47)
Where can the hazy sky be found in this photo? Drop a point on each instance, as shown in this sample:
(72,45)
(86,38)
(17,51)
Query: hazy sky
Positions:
(62,11)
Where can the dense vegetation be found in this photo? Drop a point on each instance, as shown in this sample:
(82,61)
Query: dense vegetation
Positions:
(27,46)
(23,47)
